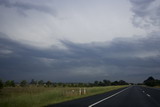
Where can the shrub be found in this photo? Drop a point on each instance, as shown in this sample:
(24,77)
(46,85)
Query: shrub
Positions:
(1,84)
(23,83)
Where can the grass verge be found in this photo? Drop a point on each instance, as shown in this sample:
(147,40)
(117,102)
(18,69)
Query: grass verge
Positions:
(41,96)
(157,86)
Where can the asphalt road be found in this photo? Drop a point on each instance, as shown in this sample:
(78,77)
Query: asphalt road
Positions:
(133,96)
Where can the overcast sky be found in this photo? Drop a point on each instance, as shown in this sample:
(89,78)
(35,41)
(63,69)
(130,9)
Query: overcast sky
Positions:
(79,40)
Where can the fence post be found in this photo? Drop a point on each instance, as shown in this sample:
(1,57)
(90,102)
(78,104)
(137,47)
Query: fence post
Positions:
(84,90)
(80,91)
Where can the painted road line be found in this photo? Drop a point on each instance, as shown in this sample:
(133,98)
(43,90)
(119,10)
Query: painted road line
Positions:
(148,95)
(107,98)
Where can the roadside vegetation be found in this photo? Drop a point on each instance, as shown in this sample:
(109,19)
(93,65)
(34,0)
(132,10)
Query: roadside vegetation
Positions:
(150,81)
(41,96)
(40,93)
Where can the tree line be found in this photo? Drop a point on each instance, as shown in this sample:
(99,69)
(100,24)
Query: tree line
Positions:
(150,81)
(24,83)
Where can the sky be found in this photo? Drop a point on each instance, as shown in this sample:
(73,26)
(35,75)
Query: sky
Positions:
(79,40)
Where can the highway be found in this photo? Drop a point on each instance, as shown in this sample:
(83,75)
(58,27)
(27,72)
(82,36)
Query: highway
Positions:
(133,96)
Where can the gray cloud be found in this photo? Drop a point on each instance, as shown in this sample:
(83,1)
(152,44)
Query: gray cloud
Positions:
(27,6)
(132,59)
(146,13)
(122,58)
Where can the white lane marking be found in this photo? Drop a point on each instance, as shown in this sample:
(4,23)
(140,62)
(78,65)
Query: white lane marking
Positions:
(148,95)
(107,98)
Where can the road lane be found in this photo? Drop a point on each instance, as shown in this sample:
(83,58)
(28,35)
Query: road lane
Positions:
(154,93)
(135,96)
(94,104)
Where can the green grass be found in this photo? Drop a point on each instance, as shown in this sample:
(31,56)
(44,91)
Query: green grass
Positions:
(41,96)
(157,86)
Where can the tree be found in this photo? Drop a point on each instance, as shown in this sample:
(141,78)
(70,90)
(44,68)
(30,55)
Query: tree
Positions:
(41,82)
(157,82)
(107,82)
(48,83)
(150,81)
(7,83)
(96,83)
(33,82)
(10,83)
(1,84)
(23,83)
(122,82)
(101,83)
(115,83)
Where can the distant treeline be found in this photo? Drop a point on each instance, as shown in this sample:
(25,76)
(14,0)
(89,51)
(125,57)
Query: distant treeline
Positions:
(24,83)
(11,83)
(151,82)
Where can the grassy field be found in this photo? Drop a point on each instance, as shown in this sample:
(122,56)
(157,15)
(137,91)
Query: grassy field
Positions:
(41,96)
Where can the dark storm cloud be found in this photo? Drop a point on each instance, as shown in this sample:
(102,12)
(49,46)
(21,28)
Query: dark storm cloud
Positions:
(27,6)
(146,12)
(121,58)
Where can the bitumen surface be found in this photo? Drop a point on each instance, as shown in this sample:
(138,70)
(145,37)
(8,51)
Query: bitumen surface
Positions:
(133,96)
